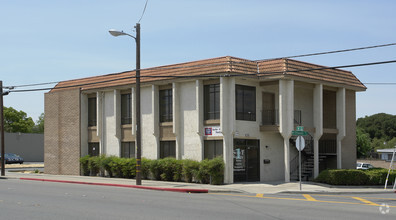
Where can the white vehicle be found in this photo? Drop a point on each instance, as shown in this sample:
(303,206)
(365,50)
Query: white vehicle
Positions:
(363,166)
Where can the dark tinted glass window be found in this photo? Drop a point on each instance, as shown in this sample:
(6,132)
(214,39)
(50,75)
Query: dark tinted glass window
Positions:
(165,107)
(91,111)
(93,149)
(126,111)
(213,149)
(167,149)
(245,103)
(212,101)
(127,149)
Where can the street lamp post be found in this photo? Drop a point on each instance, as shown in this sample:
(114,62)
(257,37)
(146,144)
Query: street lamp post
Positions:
(138,130)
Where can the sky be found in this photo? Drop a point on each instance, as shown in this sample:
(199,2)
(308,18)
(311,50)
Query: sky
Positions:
(49,41)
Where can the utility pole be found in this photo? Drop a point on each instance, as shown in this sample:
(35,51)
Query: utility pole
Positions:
(138,127)
(2,130)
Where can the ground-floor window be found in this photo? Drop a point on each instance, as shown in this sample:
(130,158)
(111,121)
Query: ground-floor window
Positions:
(213,148)
(167,149)
(127,150)
(93,149)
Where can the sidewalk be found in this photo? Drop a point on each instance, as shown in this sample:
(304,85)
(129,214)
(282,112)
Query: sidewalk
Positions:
(246,188)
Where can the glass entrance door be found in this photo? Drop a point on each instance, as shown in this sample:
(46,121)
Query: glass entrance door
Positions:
(246,160)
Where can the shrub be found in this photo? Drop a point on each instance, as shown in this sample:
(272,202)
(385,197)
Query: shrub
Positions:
(84,165)
(171,169)
(116,167)
(155,169)
(216,170)
(128,167)
(203,172)
(105,164)
(145,168)
(190,169)
(375,176)
(94,165)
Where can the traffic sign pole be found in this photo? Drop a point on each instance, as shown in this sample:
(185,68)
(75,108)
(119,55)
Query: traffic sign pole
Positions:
(299,162)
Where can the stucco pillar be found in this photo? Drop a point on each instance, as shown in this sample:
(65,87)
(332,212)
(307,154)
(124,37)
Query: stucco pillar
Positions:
(318,123)
(286,119)
(84,124)
(227,121)
(99,120)
(200,105)
(340,124)
(133,108)
(175,118)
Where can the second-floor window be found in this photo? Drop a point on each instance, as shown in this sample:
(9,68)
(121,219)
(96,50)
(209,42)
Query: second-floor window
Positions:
(165,105)
(126,112)
(245,102)
(91,112)
(212,102)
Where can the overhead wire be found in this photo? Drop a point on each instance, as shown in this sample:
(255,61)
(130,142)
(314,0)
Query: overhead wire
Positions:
(144,10)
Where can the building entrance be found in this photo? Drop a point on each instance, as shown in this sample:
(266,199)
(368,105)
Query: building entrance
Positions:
(246,160)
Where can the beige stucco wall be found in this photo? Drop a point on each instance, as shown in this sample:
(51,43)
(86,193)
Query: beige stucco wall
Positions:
(189,138)
(349,142)
(150,143)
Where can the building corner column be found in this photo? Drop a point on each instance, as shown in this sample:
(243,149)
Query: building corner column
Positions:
(318,123)
(341,124)
(286,119)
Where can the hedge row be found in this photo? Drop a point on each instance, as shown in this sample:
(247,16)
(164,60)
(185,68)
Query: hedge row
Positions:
(167,169)
(375,176)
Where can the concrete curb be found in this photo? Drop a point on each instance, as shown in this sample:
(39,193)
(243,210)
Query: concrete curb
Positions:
(184,190)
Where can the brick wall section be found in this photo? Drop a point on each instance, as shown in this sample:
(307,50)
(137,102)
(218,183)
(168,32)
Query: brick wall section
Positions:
(62,132)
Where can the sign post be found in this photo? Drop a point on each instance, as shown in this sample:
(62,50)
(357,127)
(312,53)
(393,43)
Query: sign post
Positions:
(300,144)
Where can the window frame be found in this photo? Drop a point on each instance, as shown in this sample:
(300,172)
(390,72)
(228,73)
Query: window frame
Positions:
(165,105)
(211,148)
(170,151)
(126,108)
(92,113)
(212,101)
(130,145)
(245,109)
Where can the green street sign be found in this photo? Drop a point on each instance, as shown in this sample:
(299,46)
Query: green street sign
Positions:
(300,128)
(299,133)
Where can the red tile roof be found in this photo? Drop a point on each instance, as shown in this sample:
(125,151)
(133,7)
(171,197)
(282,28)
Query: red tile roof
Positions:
(220,66)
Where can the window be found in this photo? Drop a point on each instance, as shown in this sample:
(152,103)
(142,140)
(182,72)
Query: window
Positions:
(126,112)
(127,150)
(93,149)
(91,112)
(165,107)
(167,149)
(245,103)
(212,101)
(213,149)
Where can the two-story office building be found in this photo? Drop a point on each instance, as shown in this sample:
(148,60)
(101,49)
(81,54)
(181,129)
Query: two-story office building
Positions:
(244,111)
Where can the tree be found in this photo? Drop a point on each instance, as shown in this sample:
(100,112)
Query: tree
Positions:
(39,127)
(363,143)
(17,121)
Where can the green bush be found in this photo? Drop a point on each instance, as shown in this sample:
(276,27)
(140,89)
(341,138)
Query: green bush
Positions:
(216,171)
(168,169)
(190,169)
(171,169)
(128,167)
(84,165)
(94,165)
(145,168)
(155,169)
(376,176)
(116,167)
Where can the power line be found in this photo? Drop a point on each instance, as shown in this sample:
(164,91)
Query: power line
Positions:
(144,10)
(213,76)
(334,51)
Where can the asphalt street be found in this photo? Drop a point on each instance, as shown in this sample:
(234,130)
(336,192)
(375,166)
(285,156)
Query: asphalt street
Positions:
(45,200)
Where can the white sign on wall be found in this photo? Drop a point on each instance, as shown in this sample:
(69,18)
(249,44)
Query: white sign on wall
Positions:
(213,131)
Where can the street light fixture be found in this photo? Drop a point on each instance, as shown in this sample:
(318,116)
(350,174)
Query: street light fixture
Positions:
(138,141)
